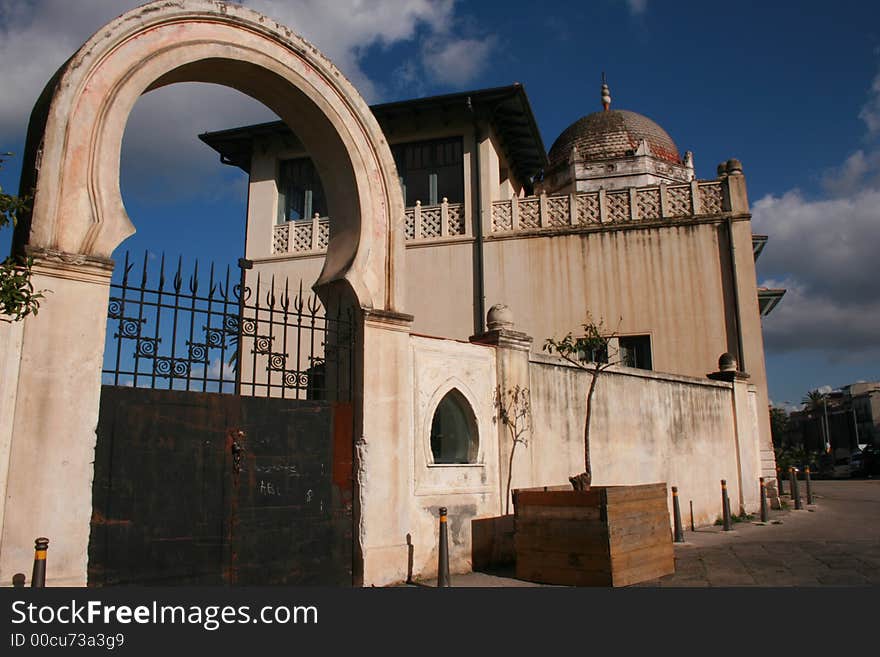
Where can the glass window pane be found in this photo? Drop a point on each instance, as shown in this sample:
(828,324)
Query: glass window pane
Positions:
(453,430)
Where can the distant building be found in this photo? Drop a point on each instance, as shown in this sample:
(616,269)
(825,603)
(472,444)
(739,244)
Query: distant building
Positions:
(849,417)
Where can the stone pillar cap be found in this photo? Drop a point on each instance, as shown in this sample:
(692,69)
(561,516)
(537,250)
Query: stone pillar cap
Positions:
(499,317)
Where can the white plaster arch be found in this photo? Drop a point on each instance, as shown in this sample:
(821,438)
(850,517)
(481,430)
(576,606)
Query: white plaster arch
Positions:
(473,410)
(75,136)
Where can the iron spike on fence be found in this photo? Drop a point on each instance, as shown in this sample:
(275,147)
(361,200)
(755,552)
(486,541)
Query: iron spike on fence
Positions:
(162,272)
(298,302)
(194,279)
(314,305)
(212,287)
(178,275)
(285,297)
(270,295)
(126,269)
(144,268)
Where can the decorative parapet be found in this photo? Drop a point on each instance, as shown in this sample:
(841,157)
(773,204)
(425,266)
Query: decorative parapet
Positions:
(302,236)
(608,207)
(422,222)
(427,223)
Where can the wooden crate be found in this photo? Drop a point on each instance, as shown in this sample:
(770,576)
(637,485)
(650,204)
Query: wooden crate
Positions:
(606,536)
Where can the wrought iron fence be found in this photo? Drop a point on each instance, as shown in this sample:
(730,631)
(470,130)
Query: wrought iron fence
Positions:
(174,332)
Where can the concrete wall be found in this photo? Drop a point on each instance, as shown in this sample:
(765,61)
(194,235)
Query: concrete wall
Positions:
(646,428)
(468,490)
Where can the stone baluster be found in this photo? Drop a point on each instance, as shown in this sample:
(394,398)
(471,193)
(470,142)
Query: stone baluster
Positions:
(572,209)
(633,204)
(696,202)
(444,217)
(603,207)
(315,231)
(417,221)
(664,201)
(544,213)
(514,214)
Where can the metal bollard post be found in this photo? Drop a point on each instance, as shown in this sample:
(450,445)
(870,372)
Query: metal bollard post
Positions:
(765,514)
(678,536)
(779,489)
(18,580)
(809,485)
(795,491)
(38,576)
(693,527)
(725,506)
(443,562)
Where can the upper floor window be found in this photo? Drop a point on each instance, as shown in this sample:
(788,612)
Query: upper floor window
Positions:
(430,170)
(300,193)
(635,351)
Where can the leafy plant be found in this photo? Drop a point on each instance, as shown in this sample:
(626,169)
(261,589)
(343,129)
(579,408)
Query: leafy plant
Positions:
(593,352)
(513,409)
(17,295)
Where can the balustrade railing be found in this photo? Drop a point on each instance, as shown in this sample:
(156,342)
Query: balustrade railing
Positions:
(532,213)
(421,222)
(635,204)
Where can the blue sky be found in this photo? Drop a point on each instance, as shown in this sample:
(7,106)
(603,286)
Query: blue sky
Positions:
(792,89)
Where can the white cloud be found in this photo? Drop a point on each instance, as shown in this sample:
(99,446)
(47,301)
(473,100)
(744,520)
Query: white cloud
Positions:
(870,113)
(457,61)
(37,36)
(637,7)
(825,252)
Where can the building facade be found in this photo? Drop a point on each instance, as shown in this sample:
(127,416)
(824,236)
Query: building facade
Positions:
(611,224)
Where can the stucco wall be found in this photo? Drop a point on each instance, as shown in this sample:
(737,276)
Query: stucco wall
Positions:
(646,428)
(470,490)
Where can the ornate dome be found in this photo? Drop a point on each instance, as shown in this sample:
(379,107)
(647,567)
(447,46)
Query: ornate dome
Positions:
(612,134)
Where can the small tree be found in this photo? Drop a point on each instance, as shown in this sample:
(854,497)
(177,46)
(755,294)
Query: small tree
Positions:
(780,425)
(17,296)
(593,353)
(513,409)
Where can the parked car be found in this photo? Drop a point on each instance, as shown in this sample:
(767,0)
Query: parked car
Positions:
(871,460)
(857,463)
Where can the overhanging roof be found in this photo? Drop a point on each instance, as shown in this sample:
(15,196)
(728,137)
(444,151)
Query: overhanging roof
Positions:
(507,109)
(768,299)
(758,244)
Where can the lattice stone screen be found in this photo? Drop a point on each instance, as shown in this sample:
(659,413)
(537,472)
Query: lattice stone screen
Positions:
(678,201)
(710,199)
(588,208)
(618,205)
(648,201)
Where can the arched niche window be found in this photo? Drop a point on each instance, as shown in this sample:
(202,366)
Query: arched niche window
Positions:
(454,430)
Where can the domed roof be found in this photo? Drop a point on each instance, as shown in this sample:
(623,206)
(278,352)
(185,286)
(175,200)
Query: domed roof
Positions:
(612,134)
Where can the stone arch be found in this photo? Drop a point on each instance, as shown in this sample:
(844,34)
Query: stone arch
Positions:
(78,218)
(76,133)
(456,391)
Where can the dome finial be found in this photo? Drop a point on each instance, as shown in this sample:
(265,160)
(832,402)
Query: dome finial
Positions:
(606,93)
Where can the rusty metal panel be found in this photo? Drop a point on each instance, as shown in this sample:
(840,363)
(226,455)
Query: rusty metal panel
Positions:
(204,488)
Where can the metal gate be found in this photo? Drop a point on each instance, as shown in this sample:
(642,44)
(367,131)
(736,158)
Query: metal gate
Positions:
(224,445)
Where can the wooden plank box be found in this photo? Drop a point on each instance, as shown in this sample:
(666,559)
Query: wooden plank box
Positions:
(606,536)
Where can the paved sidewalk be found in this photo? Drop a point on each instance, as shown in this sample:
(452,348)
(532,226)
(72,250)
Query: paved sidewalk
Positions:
(835,542)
